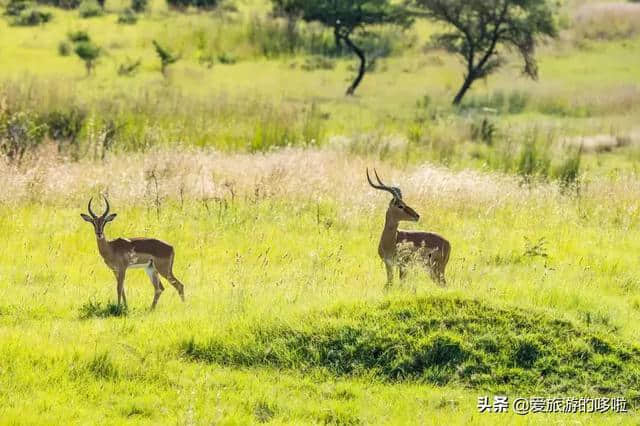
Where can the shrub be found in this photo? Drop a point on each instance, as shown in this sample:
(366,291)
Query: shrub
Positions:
(166,57)
(63,4)
(128,68)
(64,126)
(127,17)
(227,58)
(139,6)
(19,133)
(16,7)
(78,36)
(198,4)
(31,17)
(89,53)
(89,9)
(64,48)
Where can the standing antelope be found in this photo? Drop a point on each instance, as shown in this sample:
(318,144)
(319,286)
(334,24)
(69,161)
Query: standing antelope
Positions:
(153,255)
(398,246)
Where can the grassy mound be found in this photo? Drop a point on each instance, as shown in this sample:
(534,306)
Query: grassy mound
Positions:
(439,340)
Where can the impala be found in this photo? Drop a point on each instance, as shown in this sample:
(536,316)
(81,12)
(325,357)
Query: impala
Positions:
(398,247)
(155,256)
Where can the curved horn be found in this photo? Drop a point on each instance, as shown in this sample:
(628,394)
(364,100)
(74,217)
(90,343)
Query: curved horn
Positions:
(395,191)
(106,212)
(93,215)
(374,185)
(378,178)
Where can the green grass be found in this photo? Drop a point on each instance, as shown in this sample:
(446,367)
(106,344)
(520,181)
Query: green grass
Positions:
(286,319)
(439,341)
(261,274)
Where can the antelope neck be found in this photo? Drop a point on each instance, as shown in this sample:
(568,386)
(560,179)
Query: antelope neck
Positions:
(103,246)
(389,236)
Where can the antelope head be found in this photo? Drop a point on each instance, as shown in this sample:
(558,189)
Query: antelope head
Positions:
(398,209)
(98,222)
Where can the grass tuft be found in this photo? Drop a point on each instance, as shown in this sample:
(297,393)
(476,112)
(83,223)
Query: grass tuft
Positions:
(438,340)
(93,309)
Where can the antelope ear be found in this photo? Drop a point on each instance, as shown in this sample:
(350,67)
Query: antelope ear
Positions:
(110,217)
(87,218)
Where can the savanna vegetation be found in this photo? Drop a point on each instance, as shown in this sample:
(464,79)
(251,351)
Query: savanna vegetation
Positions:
(223,128)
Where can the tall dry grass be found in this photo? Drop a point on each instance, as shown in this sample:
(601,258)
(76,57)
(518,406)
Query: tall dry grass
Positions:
(606,21)
(295,173)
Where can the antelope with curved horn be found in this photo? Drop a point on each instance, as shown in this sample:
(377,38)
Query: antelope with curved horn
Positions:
(397,246)
(155,256)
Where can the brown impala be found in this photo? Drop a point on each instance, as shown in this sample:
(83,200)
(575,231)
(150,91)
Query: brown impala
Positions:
(153,255)
(398,246)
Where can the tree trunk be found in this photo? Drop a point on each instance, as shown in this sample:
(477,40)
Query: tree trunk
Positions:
(468,80)
(336,36)
(361,70)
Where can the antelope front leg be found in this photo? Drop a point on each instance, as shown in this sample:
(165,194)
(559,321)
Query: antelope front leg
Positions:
(121,296)
(388,263)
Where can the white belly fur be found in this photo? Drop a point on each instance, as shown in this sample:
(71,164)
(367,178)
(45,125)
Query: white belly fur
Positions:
(147,266)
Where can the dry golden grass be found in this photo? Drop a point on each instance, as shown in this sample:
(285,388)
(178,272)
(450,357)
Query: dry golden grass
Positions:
(320,174)
(608,20)
(328,174)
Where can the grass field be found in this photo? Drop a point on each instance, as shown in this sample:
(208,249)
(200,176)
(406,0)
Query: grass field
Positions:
(254,170)
(288,245)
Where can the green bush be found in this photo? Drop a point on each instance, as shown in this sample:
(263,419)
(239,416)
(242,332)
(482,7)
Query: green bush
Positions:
(31,17)
(64,48)
(62,4)
(16,7)
(198,4)
(89,9)
(227,58)
(139,6)
(89,53)
(65,126)
(20,132)
(127,17)
(78,36)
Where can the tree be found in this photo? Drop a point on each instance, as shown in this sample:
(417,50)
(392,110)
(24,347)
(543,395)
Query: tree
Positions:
(166,57)
(480,27)
(89,53)
(347,18)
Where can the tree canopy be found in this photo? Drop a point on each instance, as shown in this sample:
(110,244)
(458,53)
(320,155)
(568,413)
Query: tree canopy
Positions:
(478,28)
(347,17)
